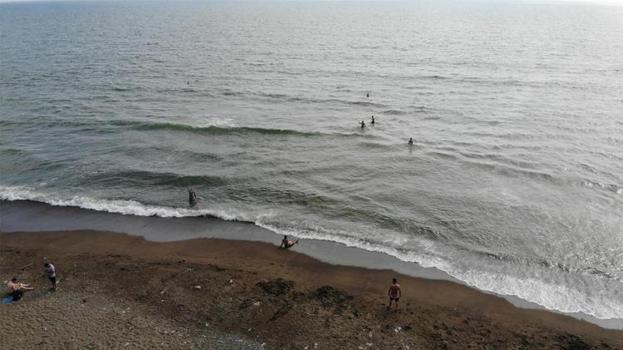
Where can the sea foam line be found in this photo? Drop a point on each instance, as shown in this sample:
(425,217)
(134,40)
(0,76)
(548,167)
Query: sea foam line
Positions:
(551,296)
(116,206)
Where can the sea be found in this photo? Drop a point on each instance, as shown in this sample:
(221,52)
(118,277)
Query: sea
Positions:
(513,183)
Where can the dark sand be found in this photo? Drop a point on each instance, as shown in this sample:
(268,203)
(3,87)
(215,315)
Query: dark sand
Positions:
(120,291)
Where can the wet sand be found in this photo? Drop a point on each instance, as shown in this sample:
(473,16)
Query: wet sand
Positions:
(121,291)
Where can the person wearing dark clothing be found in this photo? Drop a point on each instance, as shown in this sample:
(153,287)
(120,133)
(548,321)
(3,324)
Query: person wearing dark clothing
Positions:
(192,196)
(285,243)
(394,293)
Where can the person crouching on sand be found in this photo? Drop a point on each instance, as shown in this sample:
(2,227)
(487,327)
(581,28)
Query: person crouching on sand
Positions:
(285,243)
(50,271)
(16,290)
(394,293)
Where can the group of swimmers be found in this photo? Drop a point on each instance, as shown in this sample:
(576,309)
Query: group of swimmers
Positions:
(15,290)
(372,121)
(363,124)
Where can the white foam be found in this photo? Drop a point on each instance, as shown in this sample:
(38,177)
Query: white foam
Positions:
(559,297)
(218,122)
(594,301)
(348,240)
(117,206)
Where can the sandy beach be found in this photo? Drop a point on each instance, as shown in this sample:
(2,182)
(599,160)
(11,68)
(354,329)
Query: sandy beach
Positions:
(120,291)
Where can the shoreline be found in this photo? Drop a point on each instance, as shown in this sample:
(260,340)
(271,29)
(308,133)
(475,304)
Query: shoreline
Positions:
(255,291)
(33,216)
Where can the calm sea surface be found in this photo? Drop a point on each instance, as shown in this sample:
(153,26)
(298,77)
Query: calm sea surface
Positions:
(514,183)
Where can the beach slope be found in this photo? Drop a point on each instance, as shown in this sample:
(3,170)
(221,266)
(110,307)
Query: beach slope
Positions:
(120,291)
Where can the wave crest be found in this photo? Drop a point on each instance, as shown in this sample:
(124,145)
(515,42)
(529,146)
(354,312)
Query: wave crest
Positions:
(552,296)
(210,130)
(116,206)
(149,178)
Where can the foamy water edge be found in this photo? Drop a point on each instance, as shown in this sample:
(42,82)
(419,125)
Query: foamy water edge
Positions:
(550,296)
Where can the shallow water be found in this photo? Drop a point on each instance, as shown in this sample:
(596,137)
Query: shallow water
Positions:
(513,184)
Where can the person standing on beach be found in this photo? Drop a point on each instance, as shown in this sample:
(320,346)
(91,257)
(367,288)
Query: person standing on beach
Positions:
(394,293)
(50,271)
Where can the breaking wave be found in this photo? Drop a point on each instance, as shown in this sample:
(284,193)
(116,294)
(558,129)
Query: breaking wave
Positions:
(426,251)
(116,206)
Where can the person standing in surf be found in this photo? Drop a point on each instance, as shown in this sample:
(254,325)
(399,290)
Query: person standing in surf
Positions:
(192,196)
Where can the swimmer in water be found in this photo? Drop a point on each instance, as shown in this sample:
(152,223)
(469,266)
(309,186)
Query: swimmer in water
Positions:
(192,196)
(363,124)
(410,141)
(368,94)
(372,122)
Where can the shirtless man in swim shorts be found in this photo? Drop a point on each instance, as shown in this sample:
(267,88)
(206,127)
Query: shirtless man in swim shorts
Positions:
(394,293)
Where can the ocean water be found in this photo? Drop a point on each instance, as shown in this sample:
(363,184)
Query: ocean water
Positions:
(514,183)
